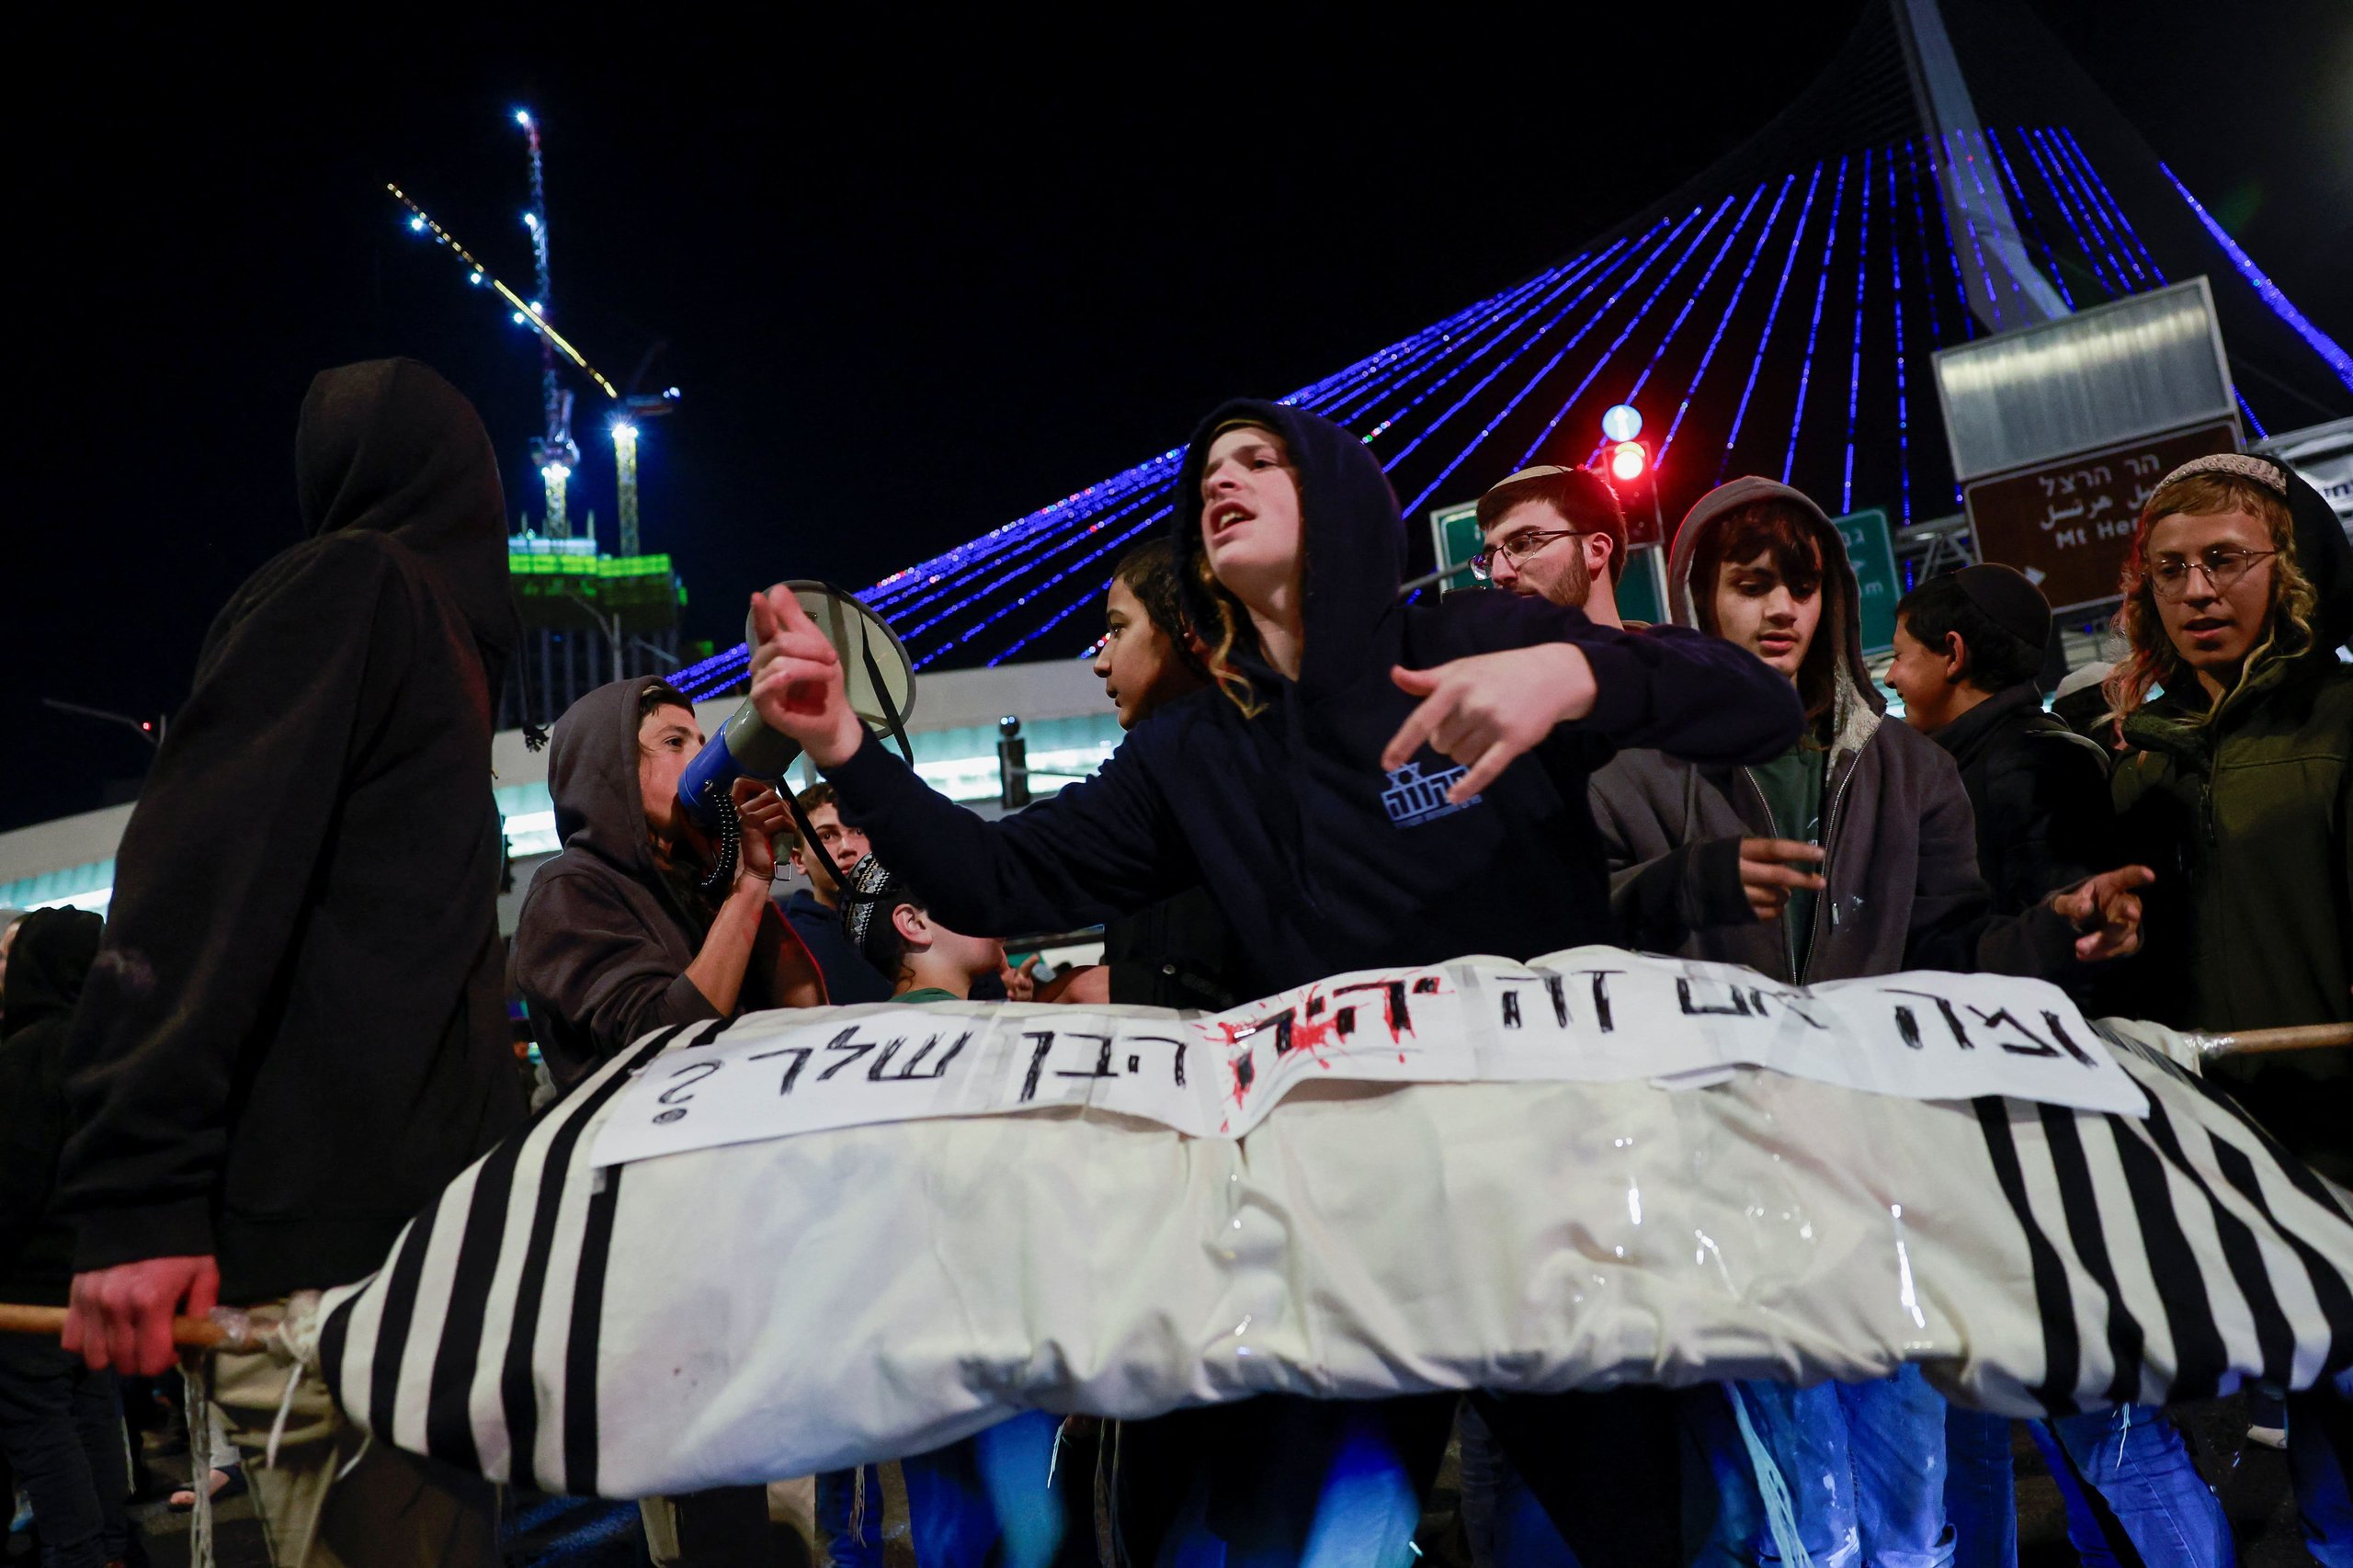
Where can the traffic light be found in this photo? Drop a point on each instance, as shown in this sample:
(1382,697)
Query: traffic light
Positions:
(1629,460)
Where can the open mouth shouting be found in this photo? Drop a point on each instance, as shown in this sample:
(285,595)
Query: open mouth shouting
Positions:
(1224,517)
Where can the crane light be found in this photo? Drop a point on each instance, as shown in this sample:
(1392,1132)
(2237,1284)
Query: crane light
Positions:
(523,118)
(1627,461)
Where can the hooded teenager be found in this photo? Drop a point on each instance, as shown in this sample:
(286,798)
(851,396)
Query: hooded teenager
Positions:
(1705,857)
(60,1422)
(1714,862)
(616,937)
(295,1033)
(1299,788)
(1280,789)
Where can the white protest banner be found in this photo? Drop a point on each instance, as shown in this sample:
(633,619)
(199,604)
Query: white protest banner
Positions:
(1591,1014)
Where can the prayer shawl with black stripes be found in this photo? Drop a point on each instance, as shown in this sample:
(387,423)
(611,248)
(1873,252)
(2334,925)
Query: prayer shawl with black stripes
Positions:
(735,1314)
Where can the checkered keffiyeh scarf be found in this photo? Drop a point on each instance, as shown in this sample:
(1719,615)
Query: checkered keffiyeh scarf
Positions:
(872,888)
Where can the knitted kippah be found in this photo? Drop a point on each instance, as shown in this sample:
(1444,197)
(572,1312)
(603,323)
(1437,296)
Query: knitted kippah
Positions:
(2238,465)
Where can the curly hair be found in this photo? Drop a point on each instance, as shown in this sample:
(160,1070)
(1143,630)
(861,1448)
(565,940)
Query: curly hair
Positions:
(2151,659)
(1150,572)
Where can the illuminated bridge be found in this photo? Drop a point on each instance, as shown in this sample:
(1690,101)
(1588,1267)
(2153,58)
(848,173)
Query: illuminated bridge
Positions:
(1774,316)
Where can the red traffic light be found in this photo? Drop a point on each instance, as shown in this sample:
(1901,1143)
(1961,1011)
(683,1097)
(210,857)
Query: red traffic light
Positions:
(1628,461)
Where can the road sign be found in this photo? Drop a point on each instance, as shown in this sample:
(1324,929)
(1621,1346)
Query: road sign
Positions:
(2068,524)
(1871,551)
(1455,536)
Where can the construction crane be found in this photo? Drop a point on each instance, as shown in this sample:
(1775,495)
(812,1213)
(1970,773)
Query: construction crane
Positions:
(554,452)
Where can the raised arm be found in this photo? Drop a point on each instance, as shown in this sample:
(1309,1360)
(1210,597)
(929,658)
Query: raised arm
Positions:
(1101,848)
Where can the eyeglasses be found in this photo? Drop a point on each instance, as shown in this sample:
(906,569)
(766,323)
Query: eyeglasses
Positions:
(2223,565)
(1516,548)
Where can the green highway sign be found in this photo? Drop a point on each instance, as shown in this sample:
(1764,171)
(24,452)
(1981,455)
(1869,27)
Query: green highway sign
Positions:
(1871,549)
(1454,531)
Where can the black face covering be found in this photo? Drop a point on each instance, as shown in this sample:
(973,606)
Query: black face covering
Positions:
(388,446)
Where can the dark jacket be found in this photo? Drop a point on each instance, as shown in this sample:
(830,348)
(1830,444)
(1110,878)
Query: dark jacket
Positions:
(2246,816)
(848,977)
(295,1033)
(1319,861)
(2039,794)
(46,965)
(1903,889)
(1176,953)
(605,936)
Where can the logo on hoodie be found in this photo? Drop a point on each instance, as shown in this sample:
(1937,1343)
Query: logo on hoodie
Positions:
(1411,799)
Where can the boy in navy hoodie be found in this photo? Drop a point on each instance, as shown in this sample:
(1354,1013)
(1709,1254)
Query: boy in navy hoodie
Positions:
(1365,783)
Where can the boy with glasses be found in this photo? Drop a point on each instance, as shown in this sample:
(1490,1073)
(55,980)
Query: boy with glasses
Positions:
(2233,706)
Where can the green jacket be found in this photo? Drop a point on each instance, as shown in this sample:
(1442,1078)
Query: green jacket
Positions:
(2245,820)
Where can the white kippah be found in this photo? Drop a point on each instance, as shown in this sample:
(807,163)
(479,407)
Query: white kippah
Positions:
(2237,464)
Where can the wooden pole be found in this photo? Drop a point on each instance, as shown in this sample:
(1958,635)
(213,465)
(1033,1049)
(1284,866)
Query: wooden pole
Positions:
(49,1322)
(2300,1037)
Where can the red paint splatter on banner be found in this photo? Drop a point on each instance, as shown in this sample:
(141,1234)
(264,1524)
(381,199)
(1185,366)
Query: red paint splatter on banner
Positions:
(1324,1025)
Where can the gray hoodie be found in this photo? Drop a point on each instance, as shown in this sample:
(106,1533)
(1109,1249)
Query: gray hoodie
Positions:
(605,937)
(1903,889)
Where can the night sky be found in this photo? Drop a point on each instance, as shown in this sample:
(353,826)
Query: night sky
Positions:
(914,276)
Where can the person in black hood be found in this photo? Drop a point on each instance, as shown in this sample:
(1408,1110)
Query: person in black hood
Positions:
(1365,783)
(60,1422)
(617,936)
(295,1034)
(1298,789)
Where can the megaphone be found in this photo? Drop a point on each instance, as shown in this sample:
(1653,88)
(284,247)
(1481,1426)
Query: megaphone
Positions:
(878,679)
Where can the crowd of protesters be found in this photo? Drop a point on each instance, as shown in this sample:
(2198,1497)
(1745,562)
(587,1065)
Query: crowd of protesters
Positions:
(293,1031)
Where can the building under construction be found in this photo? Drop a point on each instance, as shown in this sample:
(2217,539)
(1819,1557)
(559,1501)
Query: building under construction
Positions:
(587,618)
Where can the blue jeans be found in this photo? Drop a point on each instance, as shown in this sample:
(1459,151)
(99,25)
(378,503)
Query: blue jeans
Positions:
(850,1525)
(985,1501)
(2137,1463)
(1981,1488)
(1865,1467)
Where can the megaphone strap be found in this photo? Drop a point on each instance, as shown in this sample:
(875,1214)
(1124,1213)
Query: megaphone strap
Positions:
(882,694)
